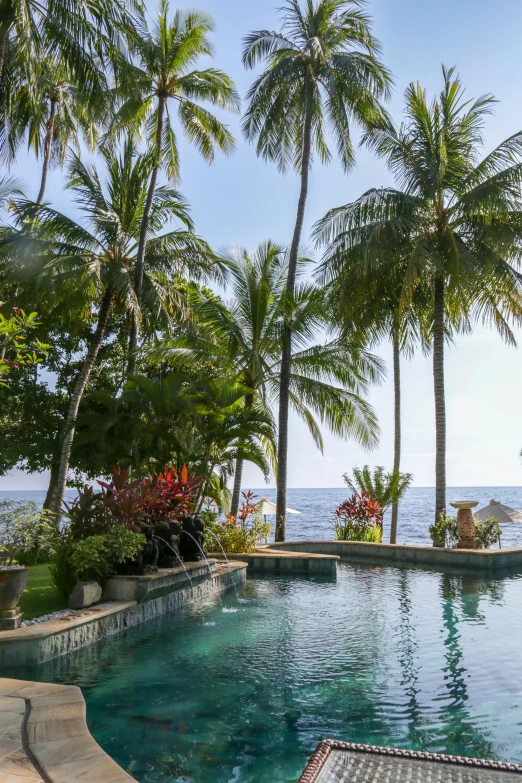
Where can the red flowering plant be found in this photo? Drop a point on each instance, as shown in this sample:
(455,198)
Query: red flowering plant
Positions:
(244,532)
(142,501)
(359,519)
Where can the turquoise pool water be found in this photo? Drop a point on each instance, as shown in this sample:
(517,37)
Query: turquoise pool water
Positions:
(243,691)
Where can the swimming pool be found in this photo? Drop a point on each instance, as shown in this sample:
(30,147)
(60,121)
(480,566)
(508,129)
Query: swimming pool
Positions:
(244,690)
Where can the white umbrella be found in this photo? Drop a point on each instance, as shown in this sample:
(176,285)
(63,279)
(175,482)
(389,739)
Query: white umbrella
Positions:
(500,512)
(269,509)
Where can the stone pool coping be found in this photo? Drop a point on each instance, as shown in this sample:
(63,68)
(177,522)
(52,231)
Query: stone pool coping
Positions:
(44,737)
(61,635)
(332,763)
(265,559)
(406,554)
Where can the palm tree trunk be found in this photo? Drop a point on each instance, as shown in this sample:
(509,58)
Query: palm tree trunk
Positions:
(397,427)
(236,492)
(74,405)
(440,404)
(51,489)
(47,150)
(140,259)
(286,357)
(238,474)
(4,38)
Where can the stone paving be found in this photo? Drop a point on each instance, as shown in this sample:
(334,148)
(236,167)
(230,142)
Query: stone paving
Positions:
(15,765)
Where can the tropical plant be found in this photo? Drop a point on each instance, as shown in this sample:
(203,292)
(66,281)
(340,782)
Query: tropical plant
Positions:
(387,488)
(321,69)
(240,533)
(52,114)
(244,339)
(444,532)
(358,519)
(132,503)
(92,267)
(61,569)
(25,528)
(160,75)
(98,557)
(457,221)
(14,349)
(488,532)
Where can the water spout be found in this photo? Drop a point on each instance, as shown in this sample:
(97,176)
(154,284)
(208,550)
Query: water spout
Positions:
(178,558)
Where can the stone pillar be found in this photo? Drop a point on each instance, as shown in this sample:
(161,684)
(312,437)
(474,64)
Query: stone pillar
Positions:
(466,524)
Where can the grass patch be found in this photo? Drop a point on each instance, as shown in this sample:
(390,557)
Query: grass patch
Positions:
(40,597)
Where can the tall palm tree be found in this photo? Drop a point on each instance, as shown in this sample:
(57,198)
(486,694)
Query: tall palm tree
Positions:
(459,217)
(321,69)
(89,264)
(243,338)
(162,75)
(51,112)
(369,304)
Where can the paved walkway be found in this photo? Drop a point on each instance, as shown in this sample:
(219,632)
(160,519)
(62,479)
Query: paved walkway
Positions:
(15,766)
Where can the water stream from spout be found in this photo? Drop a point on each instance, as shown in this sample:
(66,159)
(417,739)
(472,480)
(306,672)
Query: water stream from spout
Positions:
(178,558)
(216,538)
(204,558)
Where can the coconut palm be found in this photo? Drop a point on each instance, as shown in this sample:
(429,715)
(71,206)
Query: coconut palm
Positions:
(322,69)
(243,338)
(51,112)
(457,218)
(90,264)
(163,75)
(386,488)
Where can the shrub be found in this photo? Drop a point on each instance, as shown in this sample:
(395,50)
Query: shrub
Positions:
(236,539)
(26,530)
(63,573)
(358,519)
(97,557)
(444,532)
(144,501)
(488,532)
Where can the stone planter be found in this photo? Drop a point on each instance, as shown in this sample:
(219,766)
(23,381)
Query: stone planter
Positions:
(466,524)
(12,585)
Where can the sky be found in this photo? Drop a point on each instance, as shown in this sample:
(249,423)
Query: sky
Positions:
(241,201)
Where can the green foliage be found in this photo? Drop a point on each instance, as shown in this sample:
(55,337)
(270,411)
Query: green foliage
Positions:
(234,538)
(97,557)
(383,486)
(26,529)
(40,595)
(14,350)
(444,532)
(488,532)
(358,519)
(63,574)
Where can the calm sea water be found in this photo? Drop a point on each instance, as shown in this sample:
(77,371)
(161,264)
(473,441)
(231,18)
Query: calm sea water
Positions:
(243,691)
(416,512)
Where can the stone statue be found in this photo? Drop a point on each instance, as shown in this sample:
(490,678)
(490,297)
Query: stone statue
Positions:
(192,540)
(167,534)
(150,552)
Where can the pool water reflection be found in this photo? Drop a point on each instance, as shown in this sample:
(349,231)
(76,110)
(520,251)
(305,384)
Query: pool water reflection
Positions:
(245,691)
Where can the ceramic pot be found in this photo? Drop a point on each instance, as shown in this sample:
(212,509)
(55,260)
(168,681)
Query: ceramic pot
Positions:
(12,585)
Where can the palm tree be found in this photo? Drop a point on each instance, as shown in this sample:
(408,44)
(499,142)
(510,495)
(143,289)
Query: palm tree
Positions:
(51,112)
(243,338)
(370,306)
(457,218)
(165,56)
(91,267)
(386,488)
(321,69)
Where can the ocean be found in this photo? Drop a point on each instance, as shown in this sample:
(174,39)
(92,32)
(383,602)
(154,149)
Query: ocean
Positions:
(317,508)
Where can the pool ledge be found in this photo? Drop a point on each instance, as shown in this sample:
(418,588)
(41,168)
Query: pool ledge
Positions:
(268,560)
(156,595)
(404,554)
(44,737)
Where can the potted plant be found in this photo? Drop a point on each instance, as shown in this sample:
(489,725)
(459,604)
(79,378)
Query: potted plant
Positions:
(23,527)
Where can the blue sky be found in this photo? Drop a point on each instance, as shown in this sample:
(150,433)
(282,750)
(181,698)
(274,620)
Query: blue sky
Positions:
(242,201)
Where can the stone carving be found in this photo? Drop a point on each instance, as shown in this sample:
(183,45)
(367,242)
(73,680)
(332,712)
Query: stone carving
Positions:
(85,594)
(192,540)
(150,552)
(466,524)
(167,533)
